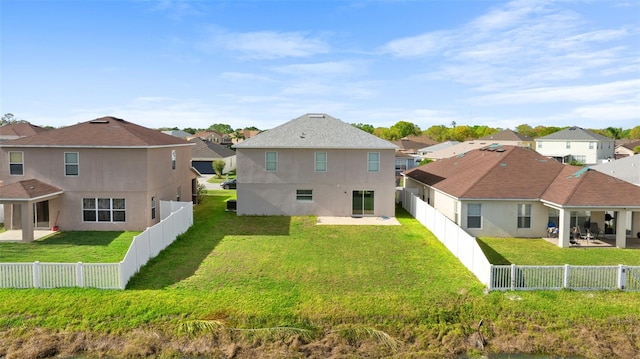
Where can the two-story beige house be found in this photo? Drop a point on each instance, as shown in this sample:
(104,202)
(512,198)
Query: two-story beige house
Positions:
(576,144)
(105,174)
(316,165)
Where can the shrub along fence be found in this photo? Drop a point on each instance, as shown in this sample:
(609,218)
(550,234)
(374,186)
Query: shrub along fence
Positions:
(515,277)
(177,218)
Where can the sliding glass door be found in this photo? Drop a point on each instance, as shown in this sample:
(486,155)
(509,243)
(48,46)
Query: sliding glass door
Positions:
(362,203)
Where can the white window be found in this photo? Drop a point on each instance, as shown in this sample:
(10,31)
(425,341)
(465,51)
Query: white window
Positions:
(71,164)
(304,195)
(524,216)
(568,145)
(103,210)
(474,215)
(16,163)
(173,159)
(373,162)
(592,145)
(153,207)
(539,144)
(271,161)
(321,161)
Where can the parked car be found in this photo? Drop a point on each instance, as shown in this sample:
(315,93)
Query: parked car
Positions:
(231,184)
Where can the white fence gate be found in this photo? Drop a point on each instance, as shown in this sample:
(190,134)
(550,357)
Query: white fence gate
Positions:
(146,245)
(515,277)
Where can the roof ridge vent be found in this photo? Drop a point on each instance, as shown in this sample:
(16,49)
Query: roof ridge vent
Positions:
(99,121)
(316,115)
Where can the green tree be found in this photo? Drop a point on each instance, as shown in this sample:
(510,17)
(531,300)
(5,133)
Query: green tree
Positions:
(404,129)
(526,130)
(438,133)
(462,133)
(364,127)
(220,128)
(425,161)
(218,167)
(634,133)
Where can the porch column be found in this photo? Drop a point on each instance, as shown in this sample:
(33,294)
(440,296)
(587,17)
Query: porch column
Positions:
(621,228)
(564,230)
(27,221)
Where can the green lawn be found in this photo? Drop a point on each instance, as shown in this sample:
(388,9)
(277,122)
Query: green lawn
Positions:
(71,247)
(540,252)
(258,272)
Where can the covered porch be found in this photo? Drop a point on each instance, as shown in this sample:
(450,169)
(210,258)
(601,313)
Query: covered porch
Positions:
(27,208)
(595,226)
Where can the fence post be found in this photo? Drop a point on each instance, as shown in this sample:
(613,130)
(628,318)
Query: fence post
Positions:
(79,275)
(490,277)
(622,277)
(513,277)
(565,279)
(36,274)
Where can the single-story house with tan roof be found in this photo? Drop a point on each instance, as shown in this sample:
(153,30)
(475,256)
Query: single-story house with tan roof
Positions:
(510,191)
(106,174)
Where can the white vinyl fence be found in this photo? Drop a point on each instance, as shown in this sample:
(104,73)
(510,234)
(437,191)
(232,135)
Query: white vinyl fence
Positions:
(177,218)
(515,277)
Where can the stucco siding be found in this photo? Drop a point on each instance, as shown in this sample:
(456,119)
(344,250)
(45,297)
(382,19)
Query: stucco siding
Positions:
(500,219)
(273,192)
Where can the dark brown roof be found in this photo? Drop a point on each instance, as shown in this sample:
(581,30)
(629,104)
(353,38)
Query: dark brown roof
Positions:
(581,186)
(101,132)
(209,150)
(20,129)
(521,173)
(27,189)
(413,143)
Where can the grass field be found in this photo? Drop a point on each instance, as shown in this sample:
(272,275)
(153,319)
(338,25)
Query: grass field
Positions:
(253,274)
(71,247)
(540,252)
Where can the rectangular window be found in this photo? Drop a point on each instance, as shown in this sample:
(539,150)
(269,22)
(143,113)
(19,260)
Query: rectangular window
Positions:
(71,164)
(103,210)
(568,145)
(373,162)
(179,194)
(16,163)
(524,216)
(539,144)
(474,215)
(173,159)
(592,145)
(304,195)
(153,207)
(271,161)
(321,161)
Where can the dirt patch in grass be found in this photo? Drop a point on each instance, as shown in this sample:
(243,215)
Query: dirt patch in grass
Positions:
(610,339)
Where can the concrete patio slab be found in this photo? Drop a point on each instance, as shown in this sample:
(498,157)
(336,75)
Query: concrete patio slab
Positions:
(16,235)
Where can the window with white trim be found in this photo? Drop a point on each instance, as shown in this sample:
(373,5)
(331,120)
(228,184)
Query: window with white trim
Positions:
(271,161)
(592,145)
(321,161)
(373,161)
(153,207)
(304,195)
(16,163)
(568,145)
(524,216)
(71,164)
(474,215)
(103,210)
(173,159)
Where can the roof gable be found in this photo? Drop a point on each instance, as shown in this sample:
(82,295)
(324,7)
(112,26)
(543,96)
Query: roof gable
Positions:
(506,135)
(209,150)
(20,129)
(575,133)
(101,132)
(316,131)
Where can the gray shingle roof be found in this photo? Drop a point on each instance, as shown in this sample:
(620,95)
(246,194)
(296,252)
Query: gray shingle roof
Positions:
(316,131)
(627,168)
(575,134)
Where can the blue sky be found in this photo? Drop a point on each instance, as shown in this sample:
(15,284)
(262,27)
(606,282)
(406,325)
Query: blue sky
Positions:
(261,63)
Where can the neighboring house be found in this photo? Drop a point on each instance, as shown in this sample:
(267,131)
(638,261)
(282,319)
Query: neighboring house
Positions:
(626,149)
(456,149)
(405,161)
(411,144)
(316,165)
(17,130)
(509,138)
(178,133)
(211,136)
(205,152)
(509,191)
(576,144)
(106,174)
(626,169)
(425,151)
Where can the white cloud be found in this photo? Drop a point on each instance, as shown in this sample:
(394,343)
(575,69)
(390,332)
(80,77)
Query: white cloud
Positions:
(243,76)
(267,44)
(322,68)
